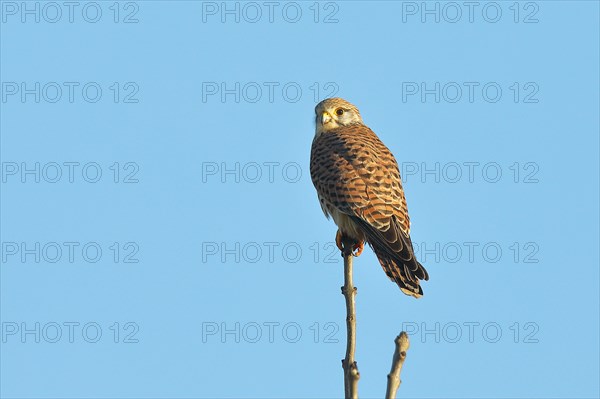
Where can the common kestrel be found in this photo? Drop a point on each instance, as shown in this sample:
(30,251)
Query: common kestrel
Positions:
(359,186)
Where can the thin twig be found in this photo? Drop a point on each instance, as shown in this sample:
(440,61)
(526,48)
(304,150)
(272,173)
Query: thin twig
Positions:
(351,374)
(402,345)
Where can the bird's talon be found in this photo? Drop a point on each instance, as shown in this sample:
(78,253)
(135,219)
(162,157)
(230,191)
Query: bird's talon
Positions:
(338,241)
(358,247)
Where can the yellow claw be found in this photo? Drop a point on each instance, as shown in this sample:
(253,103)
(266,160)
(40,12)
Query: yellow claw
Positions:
(358,247)
(338,241)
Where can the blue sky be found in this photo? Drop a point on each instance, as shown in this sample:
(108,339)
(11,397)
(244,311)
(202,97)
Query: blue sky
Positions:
(161,236)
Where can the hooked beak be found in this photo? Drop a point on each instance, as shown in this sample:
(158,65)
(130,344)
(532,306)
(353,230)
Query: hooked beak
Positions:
(325,118)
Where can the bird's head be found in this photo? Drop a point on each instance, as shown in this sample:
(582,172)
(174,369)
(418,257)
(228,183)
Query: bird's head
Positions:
(332,113)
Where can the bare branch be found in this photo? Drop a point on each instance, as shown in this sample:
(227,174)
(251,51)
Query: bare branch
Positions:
(351,374)
(402,345)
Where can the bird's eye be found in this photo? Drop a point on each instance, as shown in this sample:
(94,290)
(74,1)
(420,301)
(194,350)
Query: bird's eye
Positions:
(339,112)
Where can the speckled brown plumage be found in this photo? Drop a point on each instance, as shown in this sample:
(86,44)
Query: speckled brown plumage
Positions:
(356,174)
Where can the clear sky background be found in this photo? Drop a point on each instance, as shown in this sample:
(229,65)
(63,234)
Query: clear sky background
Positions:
(199,264)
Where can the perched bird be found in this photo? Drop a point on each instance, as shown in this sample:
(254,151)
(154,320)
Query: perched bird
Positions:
(358,184)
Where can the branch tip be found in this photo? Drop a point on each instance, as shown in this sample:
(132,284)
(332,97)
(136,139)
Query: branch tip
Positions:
(402,344)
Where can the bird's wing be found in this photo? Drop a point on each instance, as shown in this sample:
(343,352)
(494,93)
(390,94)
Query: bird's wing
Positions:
(356,173)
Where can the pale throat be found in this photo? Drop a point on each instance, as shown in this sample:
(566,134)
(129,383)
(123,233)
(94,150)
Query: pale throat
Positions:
(320,128)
